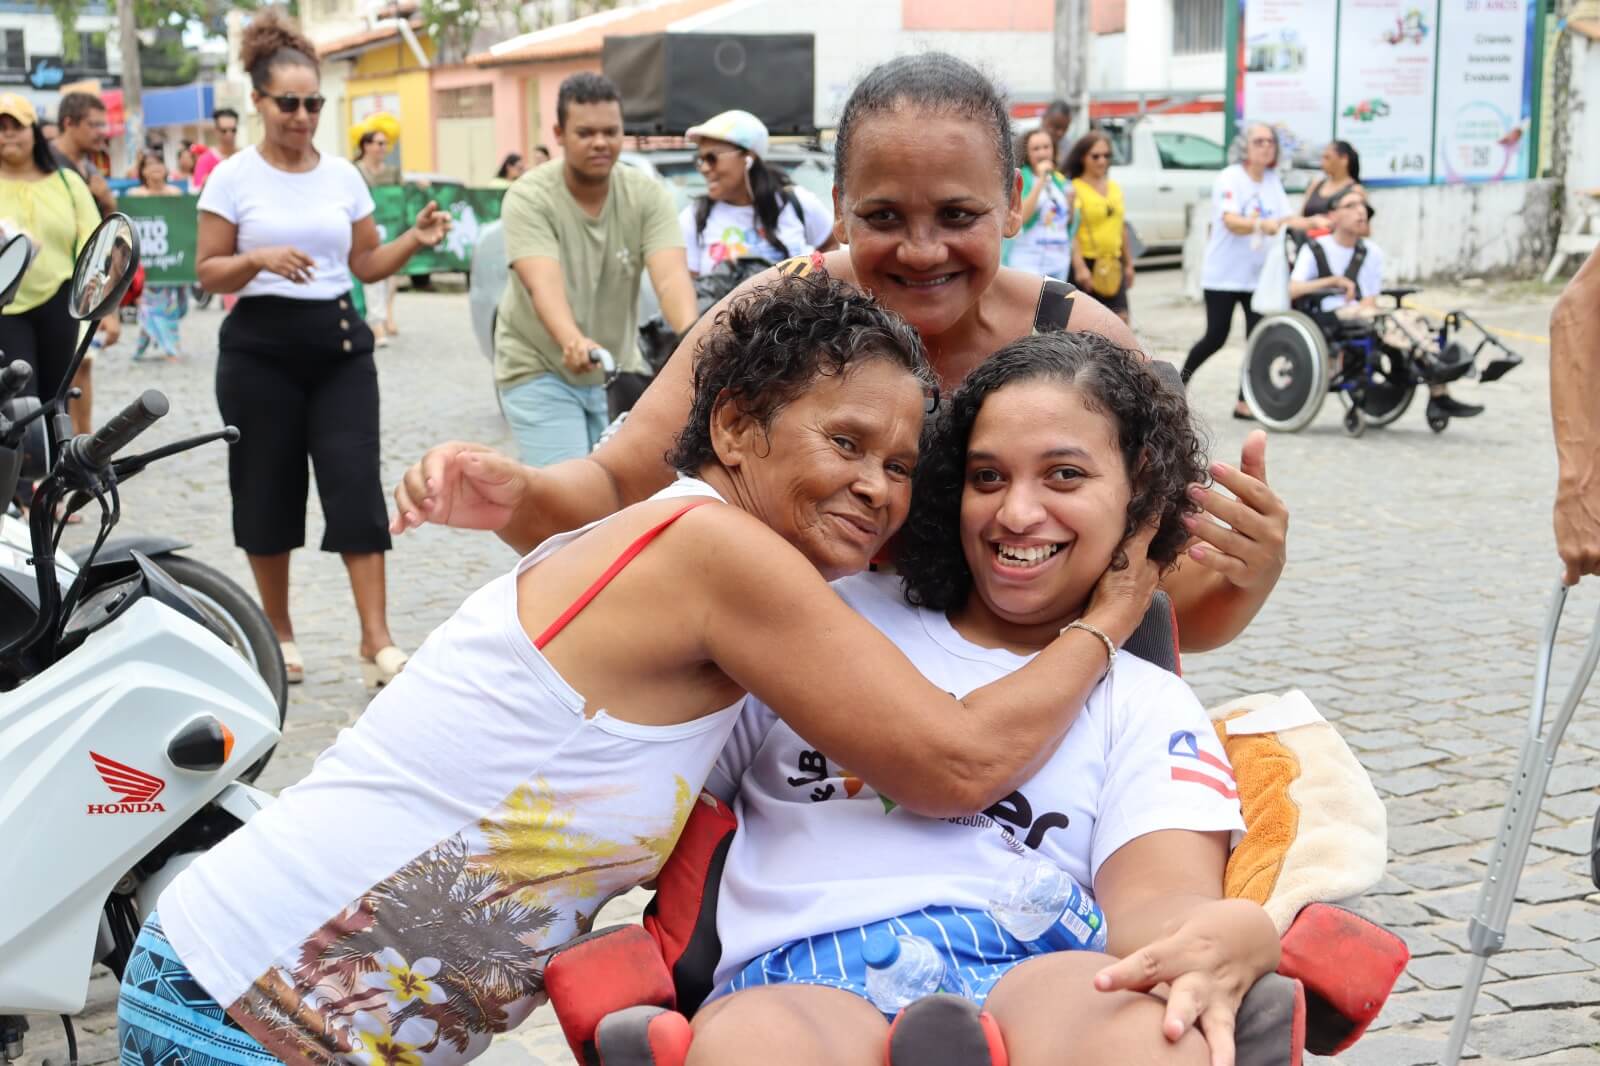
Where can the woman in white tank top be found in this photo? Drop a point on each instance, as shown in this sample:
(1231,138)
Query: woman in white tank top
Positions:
(541,751)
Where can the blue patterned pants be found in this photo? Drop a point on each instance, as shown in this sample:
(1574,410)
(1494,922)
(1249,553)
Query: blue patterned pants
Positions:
(164,1017)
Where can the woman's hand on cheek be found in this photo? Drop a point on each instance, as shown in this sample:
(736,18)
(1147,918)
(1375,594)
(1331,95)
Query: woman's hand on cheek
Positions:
(1121,597)
(1249,549)
(1207,964)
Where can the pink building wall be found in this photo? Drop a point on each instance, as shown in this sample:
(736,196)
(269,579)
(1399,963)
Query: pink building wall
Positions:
(518,89)
(967,15)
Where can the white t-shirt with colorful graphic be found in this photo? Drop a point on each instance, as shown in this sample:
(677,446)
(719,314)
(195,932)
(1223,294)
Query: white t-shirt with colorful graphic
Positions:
(818,850)
(734,232)
(398,904)
(1044,245)
(1233,260)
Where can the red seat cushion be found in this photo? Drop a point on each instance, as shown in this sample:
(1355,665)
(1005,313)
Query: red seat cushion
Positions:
(683,915)
(1348,966)
(595,975)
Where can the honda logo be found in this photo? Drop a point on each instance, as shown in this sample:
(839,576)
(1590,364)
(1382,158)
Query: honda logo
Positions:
(137,788)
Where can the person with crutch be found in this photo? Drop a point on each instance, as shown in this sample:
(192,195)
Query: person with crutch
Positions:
(1575,420)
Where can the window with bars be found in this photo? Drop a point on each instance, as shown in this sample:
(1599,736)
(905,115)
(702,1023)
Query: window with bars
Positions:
(15,55)
(1196,26)
(92,51)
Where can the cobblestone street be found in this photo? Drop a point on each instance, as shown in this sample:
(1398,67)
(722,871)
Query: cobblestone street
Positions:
(1420,568)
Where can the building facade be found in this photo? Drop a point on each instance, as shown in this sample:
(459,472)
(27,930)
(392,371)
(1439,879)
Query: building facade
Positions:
(33,55)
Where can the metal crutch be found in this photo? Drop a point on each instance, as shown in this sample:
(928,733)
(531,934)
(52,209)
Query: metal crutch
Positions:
(1486,933)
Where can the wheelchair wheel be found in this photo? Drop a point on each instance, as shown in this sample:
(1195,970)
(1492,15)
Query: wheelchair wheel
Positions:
(1355,423)
(1285,373)
(1388,393)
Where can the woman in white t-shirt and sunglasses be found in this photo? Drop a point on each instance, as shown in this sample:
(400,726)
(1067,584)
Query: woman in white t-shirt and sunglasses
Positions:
(750,211)
(285,227)
(1248,206)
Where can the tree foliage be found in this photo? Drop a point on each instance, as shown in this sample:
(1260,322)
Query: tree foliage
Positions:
(459,27)
(149,15)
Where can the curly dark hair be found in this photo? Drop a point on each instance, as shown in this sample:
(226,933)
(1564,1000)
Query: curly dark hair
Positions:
(1161,450)
(271,41)
(769,346)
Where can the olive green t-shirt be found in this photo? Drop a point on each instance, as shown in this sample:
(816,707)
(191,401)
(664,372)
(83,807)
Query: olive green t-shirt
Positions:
(601,260)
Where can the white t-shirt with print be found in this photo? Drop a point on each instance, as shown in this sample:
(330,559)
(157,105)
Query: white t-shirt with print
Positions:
(1045,247)
(819,850)
(312,211)
(734,232)
(1233,260)
(1369,279)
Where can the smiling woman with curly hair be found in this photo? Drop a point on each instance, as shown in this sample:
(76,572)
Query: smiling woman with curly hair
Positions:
(1160,451)
(1059,468)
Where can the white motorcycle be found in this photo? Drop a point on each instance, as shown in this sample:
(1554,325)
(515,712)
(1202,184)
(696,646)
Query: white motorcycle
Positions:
(126,719)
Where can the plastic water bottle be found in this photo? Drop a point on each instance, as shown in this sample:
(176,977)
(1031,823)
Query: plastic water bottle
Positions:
(1036,900)
(903,969)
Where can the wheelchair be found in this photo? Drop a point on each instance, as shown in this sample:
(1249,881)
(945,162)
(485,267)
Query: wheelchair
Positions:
(623,995)
(1296,358)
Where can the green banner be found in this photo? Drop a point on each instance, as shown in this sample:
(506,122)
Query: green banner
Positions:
(168,227)
(470,209)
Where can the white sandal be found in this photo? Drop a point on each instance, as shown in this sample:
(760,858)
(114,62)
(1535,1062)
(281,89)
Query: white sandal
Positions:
(383,667)
(294,668)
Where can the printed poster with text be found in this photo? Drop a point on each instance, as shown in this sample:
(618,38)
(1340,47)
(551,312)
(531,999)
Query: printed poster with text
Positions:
(1385,87)
(1485,102)
(1288,72)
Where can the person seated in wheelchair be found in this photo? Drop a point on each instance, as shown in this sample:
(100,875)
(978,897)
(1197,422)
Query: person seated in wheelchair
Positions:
(1055,460)
(1336,280)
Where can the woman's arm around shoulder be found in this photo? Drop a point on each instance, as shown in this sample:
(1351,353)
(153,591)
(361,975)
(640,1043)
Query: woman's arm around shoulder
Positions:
(774,626)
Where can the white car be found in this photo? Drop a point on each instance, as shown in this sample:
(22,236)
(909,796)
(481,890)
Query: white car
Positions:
(1161,172)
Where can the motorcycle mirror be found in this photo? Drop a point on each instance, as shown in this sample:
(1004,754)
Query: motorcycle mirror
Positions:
(105,268)
(14,259)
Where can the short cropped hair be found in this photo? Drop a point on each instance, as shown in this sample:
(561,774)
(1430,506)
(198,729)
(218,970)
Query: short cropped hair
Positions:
(585,87)
(75,107)
(772,344)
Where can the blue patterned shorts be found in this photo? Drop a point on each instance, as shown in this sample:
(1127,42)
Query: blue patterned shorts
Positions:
(164,1017)
(972,943)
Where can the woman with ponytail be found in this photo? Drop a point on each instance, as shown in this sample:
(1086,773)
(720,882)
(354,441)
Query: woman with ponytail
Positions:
(749,211)
(1341,172)
(287,228)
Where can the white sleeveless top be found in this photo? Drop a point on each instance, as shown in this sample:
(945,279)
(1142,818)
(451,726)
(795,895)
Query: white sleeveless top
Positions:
(401,900)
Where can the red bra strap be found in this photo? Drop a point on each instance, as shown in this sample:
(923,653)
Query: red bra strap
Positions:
(612,571)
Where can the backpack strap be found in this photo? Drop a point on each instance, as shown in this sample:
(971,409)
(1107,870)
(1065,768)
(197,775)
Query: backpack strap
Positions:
(788,197)
(1353,271)
(1321,257)
(1055,306)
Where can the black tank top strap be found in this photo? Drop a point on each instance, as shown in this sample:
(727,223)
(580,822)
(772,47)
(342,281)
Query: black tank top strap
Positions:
(1055,306)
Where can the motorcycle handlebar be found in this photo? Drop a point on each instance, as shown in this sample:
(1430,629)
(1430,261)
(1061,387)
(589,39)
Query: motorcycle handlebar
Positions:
(13,379)
(97,449)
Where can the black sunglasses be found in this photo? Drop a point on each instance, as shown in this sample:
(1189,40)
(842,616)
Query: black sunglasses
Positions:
(709,159)
(289,103)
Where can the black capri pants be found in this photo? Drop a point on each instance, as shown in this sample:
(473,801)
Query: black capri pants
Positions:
(1219,322)
(44,337)
(298,379)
